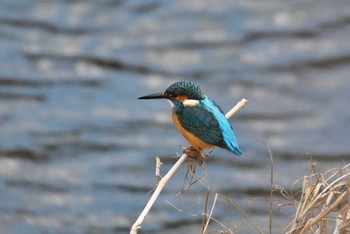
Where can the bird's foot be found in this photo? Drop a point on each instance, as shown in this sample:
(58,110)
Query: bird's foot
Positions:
(189,148)
(195,154)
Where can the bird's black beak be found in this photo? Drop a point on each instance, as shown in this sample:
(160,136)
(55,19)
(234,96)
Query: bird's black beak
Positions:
(153,96)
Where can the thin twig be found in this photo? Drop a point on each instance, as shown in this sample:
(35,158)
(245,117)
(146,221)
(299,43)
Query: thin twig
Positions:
(137,225)
(202,214)
(271,183)
(211,212)
(204,219)
(242,213)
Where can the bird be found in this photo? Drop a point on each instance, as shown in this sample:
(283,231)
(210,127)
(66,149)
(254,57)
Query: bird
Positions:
(199,119)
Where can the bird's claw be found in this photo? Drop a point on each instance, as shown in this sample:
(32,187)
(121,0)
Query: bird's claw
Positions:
(195,154)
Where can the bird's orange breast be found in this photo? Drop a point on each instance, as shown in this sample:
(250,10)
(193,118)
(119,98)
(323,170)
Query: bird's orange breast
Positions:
(190,137)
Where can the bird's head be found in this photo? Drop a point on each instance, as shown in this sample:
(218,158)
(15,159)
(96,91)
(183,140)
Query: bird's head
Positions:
(186,92)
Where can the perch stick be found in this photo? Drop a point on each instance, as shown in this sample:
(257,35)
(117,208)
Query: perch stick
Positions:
(137,225)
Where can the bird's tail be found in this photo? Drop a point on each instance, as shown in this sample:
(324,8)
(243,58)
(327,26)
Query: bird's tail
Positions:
(234,148)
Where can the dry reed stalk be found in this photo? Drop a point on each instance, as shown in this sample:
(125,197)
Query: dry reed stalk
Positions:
(211,213)
(204,219)
(163,181)
(271,184)
(324,202)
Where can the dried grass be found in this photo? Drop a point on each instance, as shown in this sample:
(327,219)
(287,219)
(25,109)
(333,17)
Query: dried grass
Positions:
(324,205)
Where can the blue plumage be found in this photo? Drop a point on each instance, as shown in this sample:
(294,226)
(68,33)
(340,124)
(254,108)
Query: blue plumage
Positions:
(198,118)
(229,138)
(207,122)
(199,122)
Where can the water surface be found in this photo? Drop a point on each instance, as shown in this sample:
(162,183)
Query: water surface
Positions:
(77,149)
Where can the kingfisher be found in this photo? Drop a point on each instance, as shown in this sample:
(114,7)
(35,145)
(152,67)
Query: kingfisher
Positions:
(199,119)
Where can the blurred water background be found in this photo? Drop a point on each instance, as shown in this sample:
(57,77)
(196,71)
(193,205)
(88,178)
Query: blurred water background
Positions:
(77,149)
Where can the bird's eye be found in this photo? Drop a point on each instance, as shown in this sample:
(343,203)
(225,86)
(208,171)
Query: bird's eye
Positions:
(170,96)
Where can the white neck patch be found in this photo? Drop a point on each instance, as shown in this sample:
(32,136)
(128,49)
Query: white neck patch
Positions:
(190,103)
(171,103)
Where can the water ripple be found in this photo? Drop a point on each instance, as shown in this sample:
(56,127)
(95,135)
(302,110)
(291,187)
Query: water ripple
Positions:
(77,147)
(31,24)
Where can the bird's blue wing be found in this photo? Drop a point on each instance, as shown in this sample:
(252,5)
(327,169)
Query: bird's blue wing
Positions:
(207,122)
(202,124)
(229,138)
